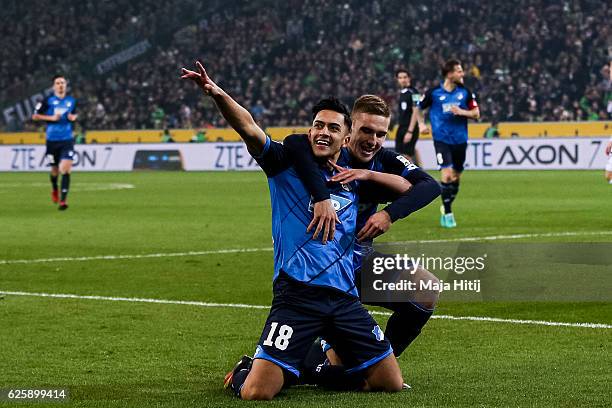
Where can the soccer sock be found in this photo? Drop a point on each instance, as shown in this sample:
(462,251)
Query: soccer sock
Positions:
(315,357)
(446,196)
(53,181)
(454,190)
(335,377)
(405,325)
(65,186)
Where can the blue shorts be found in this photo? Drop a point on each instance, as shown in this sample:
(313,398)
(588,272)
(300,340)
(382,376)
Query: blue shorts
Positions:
(300,313)
(450,155)
(58,151)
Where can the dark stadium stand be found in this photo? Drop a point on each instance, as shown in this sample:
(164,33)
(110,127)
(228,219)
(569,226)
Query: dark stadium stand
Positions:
(527,60)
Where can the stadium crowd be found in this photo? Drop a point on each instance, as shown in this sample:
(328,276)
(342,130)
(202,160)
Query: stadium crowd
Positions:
(526,60)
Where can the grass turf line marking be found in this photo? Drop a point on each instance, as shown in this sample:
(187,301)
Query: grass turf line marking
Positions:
(132,256)
(239,250)
(245,306)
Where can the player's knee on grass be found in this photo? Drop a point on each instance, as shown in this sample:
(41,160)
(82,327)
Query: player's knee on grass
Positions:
(265,380)
(385,376)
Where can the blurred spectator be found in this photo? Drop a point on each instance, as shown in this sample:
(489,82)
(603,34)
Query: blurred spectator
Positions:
(166,137)
(492,131)
(199,137)
(528,60)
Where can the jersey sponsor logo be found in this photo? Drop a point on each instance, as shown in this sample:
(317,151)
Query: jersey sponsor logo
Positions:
(60,111)
(446,107)
(407,163)
(443,97)
(55,102)
(339,203)
(376,331)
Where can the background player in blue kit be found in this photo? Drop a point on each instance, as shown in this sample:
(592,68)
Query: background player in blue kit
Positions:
(450,106)
(314,285)
(59,111)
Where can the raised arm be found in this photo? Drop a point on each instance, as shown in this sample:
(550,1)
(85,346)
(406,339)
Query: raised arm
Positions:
(238,117)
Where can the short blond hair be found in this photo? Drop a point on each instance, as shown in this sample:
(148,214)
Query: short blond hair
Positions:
(372,104)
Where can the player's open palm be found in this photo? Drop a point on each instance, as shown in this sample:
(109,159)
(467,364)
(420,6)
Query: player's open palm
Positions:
(201,78)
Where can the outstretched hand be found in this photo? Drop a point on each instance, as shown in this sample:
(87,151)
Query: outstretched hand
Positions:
(201,78)
(345,176)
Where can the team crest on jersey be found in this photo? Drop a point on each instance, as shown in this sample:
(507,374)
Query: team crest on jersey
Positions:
(339,203)
(404,105)
(380,336)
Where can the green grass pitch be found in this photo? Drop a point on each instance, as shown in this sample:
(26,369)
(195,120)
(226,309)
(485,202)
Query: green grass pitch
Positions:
(120,354)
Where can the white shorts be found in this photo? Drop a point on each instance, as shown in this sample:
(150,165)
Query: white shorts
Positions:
(609,164)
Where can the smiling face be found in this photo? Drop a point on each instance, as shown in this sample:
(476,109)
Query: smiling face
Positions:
(368,135)
(327,133)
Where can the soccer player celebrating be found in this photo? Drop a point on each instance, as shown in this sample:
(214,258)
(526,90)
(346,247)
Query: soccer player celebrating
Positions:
(59,111)
(450,106)
(314,286)
(371,120)
(405,142)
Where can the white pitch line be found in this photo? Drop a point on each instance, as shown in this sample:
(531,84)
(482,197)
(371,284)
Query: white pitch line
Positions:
(245,306)
(500,237)
(131,256)
(239,250)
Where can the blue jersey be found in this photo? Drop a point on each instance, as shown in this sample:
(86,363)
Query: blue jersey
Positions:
(295,252)
(445,126)
(62,129)
(370,194)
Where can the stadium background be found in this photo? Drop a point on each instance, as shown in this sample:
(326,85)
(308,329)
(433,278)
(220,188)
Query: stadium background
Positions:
(130,297)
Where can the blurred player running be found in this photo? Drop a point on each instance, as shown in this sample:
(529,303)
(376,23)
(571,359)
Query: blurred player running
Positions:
(59,111)
(314,287)
(450,106)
